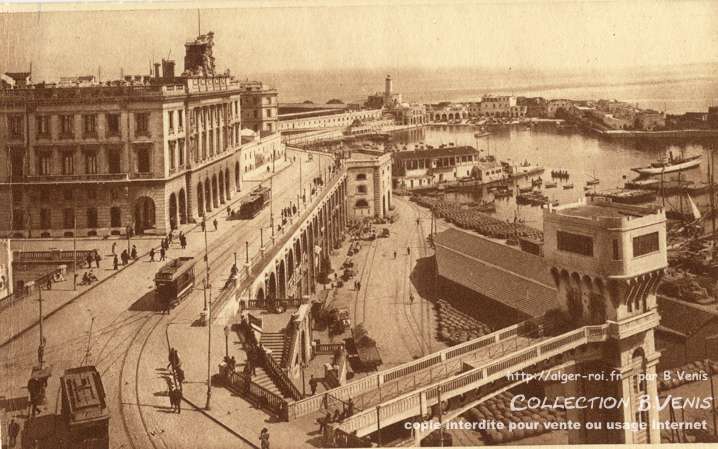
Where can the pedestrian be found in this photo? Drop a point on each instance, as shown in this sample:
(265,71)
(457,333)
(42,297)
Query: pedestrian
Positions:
(114,245)
(202,224)
(215,223)
(134,252)
(229,211)
(178,399)
(13,430)
(162,254)
(183,241)
(173,398)
(114,262)
(264,436)
(179,374)
(411,298)
(90,259)
(97,259)
(358,285)
(313,384)
(152,255)
(394,254)
(408,250)
(350,407)
(125,257)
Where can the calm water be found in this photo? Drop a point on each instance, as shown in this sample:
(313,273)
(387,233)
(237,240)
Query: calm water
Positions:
(582,156)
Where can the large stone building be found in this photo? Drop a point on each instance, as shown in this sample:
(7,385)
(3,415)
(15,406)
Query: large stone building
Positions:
(106,159)
(501,106)
(368,185)
(259,104)
(425,168)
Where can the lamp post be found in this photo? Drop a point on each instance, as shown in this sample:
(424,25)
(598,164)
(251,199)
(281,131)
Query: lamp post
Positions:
(41,346)
(226,341)
(209,343)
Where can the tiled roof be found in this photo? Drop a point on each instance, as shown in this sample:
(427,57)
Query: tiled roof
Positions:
(515,278)
(682,317)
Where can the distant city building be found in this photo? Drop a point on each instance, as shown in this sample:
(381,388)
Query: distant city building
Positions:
(426,168)
(447,112)
(387,99)
(368,184)
(501,106)
(649,120)
(337,118)
(15,79)
(535,106)
(260,107)
(554,107)
(410,114)
(75,81)
(488,171)
(100,160)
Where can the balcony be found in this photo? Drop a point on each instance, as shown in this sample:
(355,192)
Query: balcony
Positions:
(89,135)
(87,177)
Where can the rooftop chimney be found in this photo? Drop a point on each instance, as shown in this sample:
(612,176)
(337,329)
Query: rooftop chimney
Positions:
(168,68)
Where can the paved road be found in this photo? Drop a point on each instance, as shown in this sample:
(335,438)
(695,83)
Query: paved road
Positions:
(125,326)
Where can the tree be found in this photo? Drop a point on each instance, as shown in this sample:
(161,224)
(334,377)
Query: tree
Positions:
(307,102)
(335,101)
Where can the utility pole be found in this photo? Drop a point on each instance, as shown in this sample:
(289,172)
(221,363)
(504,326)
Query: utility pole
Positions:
(206,262)
(41,347)
(271,202)
(74,245)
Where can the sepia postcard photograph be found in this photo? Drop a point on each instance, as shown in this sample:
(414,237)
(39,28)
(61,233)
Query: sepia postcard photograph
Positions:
(366,223)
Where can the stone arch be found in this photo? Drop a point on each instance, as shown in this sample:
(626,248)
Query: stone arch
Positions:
(281,280)
(272,286)
(207,195)
(215,192)
(236,176)
(173,210)
(200,199)
(290,264)
(227,185)
(144,214)
(220,187)
(182,207)
(260,294)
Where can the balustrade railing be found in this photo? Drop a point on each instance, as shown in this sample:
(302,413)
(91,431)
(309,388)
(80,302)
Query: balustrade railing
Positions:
(243,384)
(279,376)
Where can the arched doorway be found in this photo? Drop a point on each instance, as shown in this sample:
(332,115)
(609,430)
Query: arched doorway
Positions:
(227,189)
(281,281)
(221,187)
(236,176)
(290,264)
(215,193)
(173,211)
(207,196)
(144,214)
(182,207)
(272,287)
(260,294)
(200,199)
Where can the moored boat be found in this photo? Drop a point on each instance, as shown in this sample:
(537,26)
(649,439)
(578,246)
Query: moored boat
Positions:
(669,165)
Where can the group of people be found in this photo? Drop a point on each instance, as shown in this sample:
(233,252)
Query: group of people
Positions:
(124,256)
(175,387)
(338,416)
(215,223)
(88,278)
(93,257)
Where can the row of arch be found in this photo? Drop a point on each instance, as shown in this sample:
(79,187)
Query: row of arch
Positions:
(443,117)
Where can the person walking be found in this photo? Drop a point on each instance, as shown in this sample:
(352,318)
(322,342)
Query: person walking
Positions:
(215,223)
(313,384)
(179,374)
(90,259)
(229,211)
(358,285)
(125,257)
(134,252)
(152,255)
(202,224)
(411,297)
(13,430)
(394,254)
(97,259)
(173,398)
(114,246)
(162,254)
(114,262)
(408,251)
(183,241)
(264,436)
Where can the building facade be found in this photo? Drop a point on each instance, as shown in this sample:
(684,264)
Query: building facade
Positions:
(308,121)
(501,106)
(368,185)
(410,114)
(426,168)
(108,160)
(260,106)
(554,106)
(447,112)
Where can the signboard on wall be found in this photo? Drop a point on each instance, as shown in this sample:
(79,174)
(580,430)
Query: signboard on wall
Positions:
(6,283)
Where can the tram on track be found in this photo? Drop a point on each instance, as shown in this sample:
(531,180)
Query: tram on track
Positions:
(258,200)
(174,281)
(84,409)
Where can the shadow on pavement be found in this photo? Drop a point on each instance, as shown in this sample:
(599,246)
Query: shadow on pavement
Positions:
(147,303)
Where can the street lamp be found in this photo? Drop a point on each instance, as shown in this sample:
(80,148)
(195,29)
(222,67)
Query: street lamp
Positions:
(227,330)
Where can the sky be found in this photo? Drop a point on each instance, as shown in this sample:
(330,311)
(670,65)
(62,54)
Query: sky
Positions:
(270,37)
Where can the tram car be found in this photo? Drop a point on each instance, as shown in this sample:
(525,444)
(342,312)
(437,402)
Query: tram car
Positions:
(84,409)
(257,200)
(174,281)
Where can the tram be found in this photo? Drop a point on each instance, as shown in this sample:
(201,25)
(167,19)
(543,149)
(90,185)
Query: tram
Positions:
(257,200)
(174,281)
(84,409)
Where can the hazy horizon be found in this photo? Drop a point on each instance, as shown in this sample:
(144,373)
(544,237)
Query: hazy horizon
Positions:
(530,37)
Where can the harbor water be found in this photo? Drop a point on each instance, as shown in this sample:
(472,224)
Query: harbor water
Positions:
(583,157)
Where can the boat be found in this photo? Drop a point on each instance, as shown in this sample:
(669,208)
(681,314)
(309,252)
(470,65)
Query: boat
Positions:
(567,186)
(627,196)
(642,184)
(550,185)
(525,189)
(669,165)
(592,182)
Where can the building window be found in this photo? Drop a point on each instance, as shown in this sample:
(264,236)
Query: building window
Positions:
(616,250)
(361,177)
(91,193)
(361,189)
(91,162)
(44,164)
(361,204)
(172,154)
(269,113)
(68,218)
(574,243)
(67,194)
(645,244)
(114,194)
(45,194)
(89,125)
(180,121)
(115,217)
(15,126)
(67,126)
(255,113)
(142,124)
(143,160)
(92,217)
(211,142)
(180,152)
(45,218)
(113,159)
(18,219)
(113,124)
(68,163)
(43,126)
(171,119)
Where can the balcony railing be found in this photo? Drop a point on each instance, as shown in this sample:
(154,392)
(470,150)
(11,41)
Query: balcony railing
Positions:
(74,178)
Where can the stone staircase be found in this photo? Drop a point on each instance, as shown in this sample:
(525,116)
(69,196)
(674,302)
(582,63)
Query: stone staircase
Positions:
(274,341)
(263,379)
